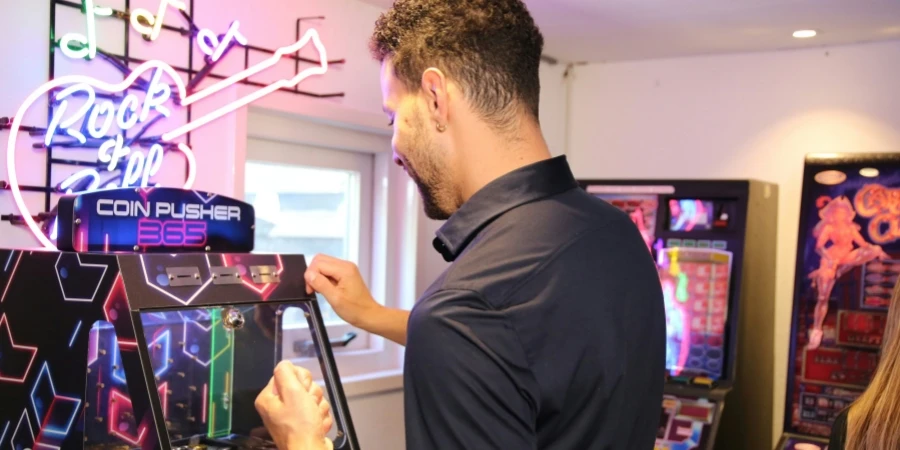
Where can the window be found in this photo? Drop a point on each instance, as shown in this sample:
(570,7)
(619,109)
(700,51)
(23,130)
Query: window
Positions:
(318,188)
(309,210)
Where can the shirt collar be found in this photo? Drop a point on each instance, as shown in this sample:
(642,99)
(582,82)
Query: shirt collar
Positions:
(523,185)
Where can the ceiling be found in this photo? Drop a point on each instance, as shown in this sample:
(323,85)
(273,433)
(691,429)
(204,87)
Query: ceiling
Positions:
(616,30)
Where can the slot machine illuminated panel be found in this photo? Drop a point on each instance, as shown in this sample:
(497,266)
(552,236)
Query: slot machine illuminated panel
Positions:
(702,236)
(695,290)
(694,235)
(848,261)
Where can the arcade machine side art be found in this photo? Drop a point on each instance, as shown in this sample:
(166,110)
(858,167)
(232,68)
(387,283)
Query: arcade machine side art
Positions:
(848,259)
(714,245)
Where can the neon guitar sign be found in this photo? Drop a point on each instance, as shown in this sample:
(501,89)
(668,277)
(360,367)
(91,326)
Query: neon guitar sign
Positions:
(131,123)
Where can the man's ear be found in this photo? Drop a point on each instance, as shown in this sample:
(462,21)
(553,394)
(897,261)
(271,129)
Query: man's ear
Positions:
(434,88)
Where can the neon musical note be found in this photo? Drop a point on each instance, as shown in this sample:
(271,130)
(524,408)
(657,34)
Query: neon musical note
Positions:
(154,22)
(78,46)
(214,48)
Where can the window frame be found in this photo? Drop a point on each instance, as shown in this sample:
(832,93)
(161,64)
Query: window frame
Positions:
(389,204)
(360,239)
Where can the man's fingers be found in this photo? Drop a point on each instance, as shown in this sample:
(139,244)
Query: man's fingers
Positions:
(286,382)
(327,420)
(270,389)
(327,423)
(325,409)
(303,375)
(319,282)
(315,272)
(327,258)
(331,267)
(265,398)
(317,392)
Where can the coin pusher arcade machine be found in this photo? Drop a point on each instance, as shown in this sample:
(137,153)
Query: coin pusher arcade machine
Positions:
(152,327)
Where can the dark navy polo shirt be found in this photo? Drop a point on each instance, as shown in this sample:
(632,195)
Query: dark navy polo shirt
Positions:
(547,331)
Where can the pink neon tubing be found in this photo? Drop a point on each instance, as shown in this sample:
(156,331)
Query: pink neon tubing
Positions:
(311,34)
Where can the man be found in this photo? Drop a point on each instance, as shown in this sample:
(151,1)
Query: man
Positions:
(547,330)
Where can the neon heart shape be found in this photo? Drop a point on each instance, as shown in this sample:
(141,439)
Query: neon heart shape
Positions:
(207,41)
(211,45)
(155,92)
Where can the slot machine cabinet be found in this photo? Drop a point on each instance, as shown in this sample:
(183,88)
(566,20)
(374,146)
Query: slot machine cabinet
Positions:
(148,332)
(714,245)
(841,292)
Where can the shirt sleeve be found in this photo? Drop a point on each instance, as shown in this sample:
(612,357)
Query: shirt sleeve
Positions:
(838,431)
(466,380)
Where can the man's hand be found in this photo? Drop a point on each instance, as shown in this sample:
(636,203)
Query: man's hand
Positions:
(341,284)
(294,410)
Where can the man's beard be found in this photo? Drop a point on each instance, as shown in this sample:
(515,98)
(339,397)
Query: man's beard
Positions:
(432,209)
(429,177)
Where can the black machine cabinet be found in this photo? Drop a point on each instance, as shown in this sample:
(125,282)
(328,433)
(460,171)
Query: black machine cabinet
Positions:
(151,350)
(714,245)
(847,264)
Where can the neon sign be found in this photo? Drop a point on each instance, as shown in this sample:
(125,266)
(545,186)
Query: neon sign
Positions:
(154,22)
(213,47)
(86,44)
(130,123)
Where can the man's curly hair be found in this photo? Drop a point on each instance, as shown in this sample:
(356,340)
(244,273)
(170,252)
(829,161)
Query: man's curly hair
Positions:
(491,48)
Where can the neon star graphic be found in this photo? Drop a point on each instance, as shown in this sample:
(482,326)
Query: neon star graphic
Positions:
(118,404)
(67,405)
(5,374)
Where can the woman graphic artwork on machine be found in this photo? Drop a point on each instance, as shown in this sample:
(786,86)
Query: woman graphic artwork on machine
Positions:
(637,216)
(837,227)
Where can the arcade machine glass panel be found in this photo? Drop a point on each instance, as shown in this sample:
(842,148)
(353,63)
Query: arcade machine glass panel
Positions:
(694,230)
(848,260)
(161,347)
(695,290)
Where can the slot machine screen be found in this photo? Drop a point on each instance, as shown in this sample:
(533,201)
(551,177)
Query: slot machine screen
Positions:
(695,290)
(694,214)
(687,214)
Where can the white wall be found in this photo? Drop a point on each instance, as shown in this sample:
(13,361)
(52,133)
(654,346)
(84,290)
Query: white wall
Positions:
(738,116)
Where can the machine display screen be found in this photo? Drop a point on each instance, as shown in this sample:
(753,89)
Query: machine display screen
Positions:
(699,214)
(688,214)
(695,290)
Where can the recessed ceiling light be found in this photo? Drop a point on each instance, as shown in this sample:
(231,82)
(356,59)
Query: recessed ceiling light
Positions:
(803,34)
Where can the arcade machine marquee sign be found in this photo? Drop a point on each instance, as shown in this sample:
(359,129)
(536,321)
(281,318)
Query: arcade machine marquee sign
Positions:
(154,220)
